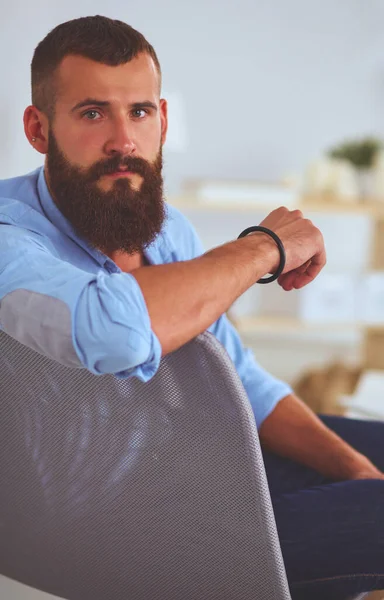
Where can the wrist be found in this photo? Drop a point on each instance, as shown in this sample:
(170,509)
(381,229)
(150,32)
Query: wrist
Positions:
(358,467)
(266,251)
(348,465)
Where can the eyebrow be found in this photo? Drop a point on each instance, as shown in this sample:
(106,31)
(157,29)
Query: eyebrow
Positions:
(95,102)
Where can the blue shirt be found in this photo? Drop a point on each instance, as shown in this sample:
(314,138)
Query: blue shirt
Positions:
(63,298)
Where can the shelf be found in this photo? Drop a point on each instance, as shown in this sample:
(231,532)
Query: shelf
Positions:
(285,325)
(313,204)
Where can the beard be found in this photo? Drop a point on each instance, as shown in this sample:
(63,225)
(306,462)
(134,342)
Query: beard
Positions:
(121,218)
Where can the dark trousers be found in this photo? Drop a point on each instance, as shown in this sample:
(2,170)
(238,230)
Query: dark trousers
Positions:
(331,534)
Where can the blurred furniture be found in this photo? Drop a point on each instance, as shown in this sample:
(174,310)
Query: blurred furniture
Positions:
(324,389)
(112,488)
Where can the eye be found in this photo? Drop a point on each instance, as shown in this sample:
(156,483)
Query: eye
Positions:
(92,115)
(139,113)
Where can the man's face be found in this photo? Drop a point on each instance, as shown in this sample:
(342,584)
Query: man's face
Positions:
(104,157)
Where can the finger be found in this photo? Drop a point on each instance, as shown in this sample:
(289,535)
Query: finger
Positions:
(298,278)
(286,277)
(286,280)
(316,265)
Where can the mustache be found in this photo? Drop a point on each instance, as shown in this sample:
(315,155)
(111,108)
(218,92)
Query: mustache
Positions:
(134,164)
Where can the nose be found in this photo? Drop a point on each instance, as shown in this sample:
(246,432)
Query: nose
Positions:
(121,139)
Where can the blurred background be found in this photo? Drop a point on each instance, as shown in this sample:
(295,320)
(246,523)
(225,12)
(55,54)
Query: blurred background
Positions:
(270,103)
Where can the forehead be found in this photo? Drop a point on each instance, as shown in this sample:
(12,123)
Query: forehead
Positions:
(79,77)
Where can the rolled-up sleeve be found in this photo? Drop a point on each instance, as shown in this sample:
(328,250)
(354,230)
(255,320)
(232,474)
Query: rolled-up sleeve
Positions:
(98,321)
(112,329)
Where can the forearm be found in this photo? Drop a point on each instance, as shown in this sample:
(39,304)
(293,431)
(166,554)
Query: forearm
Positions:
(185,298)
(294,431)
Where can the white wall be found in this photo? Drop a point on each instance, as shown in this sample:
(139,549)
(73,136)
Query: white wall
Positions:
(267,84)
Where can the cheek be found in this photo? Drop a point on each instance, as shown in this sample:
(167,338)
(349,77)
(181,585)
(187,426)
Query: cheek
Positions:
(149,140)
(80,145)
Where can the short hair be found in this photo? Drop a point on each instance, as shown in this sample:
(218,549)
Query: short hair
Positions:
(99,38)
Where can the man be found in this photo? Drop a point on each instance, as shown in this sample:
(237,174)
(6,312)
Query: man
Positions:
(115,279)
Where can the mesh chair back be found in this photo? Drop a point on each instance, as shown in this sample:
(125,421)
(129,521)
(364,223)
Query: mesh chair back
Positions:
(115,489)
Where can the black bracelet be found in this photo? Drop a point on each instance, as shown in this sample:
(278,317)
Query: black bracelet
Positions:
(279,243)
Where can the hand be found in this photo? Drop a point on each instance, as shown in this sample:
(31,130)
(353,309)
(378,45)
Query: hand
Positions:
(304,247)
(364,469)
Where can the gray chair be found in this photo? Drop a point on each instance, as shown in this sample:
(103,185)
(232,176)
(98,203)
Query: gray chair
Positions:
(114,489)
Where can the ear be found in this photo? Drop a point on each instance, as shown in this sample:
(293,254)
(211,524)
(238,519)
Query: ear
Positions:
(36,128)
(164,120)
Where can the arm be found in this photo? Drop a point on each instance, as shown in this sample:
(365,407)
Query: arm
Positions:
(102,321)
(81,319)
(185,298)
(294,431)
(121,323)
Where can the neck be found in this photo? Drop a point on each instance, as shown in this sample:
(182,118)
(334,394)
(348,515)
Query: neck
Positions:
(128,262)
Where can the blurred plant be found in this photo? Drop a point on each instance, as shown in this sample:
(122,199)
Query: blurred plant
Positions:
(361,153)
